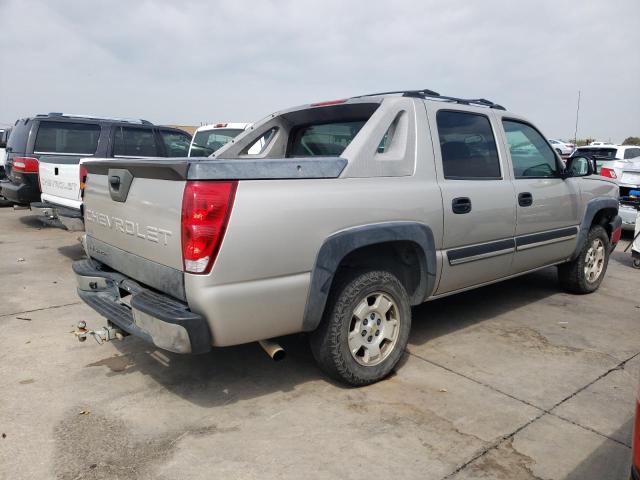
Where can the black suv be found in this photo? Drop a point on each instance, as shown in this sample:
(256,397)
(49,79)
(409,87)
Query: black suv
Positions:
(60,138)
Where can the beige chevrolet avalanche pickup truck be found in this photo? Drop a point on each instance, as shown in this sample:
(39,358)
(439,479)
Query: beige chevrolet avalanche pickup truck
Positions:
(350,213)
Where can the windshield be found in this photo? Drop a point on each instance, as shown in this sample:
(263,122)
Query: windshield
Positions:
(206,142)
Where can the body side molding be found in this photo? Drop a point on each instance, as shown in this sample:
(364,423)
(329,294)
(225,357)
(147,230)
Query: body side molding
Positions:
(524,242)
(481,251)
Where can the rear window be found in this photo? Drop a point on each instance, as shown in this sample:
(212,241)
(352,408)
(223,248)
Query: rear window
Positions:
(67,137)
(17,142)
(208,141)
(323,139)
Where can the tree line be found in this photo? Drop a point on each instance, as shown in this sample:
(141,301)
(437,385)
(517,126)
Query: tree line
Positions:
(581,142)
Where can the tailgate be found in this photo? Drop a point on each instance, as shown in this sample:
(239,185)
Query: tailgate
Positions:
(141,216)
(60,177)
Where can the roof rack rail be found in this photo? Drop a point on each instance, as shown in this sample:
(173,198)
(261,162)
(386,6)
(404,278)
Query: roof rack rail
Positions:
(137,121)
(426,93)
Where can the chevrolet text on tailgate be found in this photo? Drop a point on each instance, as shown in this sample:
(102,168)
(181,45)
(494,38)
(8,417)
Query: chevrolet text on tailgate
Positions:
(335,219)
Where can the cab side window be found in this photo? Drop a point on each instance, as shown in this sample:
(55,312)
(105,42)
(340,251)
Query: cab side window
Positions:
(468,146)
(531,155)
(176,143)
(134,142)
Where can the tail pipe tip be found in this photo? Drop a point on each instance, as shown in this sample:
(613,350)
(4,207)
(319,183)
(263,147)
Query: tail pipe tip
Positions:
(273,349)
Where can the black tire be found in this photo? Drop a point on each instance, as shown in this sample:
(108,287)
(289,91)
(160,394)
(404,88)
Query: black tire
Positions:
(572,275)
(330,343)
(636,263)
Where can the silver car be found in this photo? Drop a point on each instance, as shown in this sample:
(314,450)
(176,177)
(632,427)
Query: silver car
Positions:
(350,213)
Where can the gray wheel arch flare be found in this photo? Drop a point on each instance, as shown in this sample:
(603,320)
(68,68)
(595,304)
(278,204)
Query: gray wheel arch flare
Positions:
(336,247)
(593,207)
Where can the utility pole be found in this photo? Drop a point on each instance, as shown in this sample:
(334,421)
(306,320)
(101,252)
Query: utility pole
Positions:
(575,133)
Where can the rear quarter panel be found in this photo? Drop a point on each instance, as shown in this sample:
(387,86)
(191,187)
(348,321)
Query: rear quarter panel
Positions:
(259,284)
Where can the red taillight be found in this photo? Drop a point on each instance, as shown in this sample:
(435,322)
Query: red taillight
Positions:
(83,176)
(608,172)
(635,439)
(25,165)
(329,102)
(206,207)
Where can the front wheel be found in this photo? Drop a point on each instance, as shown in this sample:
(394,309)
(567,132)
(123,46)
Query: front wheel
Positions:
(365,328)
(636,263)
(585,273)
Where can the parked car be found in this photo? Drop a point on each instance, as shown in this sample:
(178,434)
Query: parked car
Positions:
(45,151)
(209,138)
(4,137)
(628,181)
(561,147)
(611,160)
(351,212)
(610,156)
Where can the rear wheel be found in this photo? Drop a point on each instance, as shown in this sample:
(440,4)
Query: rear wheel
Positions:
(585,273)
(365,328)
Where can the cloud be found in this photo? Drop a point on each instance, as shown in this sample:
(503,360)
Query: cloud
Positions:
(201,61)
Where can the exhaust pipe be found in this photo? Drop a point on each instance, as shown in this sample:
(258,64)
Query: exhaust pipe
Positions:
(273,349)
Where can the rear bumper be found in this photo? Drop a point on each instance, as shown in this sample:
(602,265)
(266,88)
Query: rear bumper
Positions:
(23,193)
(152,316)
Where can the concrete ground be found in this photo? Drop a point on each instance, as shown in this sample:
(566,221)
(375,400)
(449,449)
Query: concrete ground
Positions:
(512,381)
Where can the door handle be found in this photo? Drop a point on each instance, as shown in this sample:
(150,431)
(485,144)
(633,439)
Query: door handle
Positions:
(114,181)
(461,205)
(525,199)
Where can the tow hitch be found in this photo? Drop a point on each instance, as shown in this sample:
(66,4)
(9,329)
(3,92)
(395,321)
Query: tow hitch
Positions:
(105,334)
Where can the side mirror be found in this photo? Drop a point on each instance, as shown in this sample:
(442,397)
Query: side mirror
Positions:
(579,166)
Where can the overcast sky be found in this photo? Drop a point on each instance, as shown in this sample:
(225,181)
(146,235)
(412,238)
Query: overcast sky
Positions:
(189,62)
